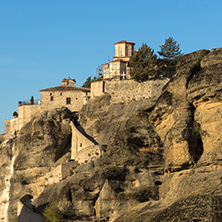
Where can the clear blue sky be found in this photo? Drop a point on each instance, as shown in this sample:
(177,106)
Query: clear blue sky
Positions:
(44,41)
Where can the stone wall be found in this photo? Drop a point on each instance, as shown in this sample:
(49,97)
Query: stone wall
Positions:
(77,99)
(97,88)
(89,153)
(128,90)
(7,125)
(57,99)
(25,113)
(59,173)
(79,141)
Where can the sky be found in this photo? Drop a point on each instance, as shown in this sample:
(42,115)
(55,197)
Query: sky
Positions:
(44,41)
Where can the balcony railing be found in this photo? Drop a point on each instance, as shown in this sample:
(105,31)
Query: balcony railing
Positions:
(27,102)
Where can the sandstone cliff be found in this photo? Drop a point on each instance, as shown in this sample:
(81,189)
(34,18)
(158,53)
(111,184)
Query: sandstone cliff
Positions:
(162,162)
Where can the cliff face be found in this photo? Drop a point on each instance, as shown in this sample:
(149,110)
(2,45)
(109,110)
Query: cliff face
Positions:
(42,143)
(162,162)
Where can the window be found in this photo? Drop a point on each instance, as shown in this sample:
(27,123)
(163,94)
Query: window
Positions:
(68,100)
(51,98)
(60,94)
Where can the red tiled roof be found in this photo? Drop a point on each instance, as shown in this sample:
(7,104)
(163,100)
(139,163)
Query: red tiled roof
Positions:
(65,80)
(124,41)
(66,88)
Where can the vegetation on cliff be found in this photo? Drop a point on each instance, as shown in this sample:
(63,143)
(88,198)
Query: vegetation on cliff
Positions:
(143,64)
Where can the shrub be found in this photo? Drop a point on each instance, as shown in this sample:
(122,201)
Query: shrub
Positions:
(15,114)
(52,213)
(70,172)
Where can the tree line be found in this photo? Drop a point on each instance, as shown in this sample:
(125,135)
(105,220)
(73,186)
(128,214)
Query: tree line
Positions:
(145,64)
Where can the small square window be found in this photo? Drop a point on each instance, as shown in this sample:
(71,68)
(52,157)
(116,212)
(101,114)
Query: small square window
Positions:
(51,98)
(60,94)
(68,100)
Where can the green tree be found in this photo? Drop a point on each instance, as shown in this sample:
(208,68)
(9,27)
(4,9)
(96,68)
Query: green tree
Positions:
(52,213)
(87,83)
(143,64)
(171,52)
(15,114)
(170,49)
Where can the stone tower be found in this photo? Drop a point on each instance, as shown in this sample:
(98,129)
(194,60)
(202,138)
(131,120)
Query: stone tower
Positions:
(119,67)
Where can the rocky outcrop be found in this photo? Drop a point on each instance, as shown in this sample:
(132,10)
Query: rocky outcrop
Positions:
(41,144)
(41,141)
(100,191)
(162,161)
(187,119)
(173,116)
(204,92)
(120,125)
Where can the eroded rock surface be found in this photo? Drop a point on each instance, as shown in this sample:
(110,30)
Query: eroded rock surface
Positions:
(204,91)
(162,161)
(38,147)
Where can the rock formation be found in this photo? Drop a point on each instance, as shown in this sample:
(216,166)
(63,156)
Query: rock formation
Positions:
(162,161)
(39,145)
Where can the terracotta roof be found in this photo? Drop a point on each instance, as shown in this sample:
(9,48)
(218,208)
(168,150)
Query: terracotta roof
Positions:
(65,80)
(66,88)
(117,60)
(124,41)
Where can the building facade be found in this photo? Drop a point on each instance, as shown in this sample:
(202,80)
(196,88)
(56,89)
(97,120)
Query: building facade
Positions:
(119,67)
(67,95)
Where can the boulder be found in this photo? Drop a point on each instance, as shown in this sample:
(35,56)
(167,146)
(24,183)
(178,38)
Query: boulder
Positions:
(41,141)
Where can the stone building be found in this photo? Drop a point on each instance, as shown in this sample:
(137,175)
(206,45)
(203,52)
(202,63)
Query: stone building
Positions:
(119,67)
(67,95)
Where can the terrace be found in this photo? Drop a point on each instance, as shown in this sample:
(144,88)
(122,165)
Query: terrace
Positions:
(28,102)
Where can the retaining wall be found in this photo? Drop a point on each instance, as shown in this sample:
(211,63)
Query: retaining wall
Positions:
(89,153)
(79,141)
(25,113)
(125,91)
(59,173)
